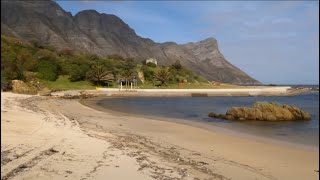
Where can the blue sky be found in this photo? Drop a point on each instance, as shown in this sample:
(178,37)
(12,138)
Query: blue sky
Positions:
(273,41)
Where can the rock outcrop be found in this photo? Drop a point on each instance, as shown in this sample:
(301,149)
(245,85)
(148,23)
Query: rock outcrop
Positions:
(264,111)
(21,87)
(46,23)
(45,92)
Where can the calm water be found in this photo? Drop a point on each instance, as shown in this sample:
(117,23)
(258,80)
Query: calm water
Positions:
(197,109)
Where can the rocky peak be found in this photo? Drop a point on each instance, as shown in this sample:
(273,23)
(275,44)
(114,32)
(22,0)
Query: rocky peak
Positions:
(210,40)
(168,44)
(91,19)
(106,34)
(44,6)
(206,50)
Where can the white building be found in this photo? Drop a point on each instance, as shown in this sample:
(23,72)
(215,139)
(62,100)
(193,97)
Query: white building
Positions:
(152,60)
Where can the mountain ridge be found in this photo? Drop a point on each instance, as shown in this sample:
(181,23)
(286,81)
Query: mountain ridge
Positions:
(104,34)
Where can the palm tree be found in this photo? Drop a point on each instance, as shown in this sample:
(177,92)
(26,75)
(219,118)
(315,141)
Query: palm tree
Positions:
(99,74)
(163,75)
(127,75)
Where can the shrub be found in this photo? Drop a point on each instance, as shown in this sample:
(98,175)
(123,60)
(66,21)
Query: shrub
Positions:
(76,72)
(148,73)
(150,64)
(25,61)
(5,82)
(47,55)
(47,70)
(66,52)
(177,65)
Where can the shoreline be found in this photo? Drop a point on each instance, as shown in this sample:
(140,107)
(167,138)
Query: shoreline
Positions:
(61,138)
(115,92)
(92,103)
(201,141)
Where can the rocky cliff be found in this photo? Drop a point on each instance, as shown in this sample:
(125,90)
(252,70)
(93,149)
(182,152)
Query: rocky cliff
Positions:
(47,23)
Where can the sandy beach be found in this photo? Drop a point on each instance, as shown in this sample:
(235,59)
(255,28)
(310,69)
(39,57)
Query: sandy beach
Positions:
(55,138)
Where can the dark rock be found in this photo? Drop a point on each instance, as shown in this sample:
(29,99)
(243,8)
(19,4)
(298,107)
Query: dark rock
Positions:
(264,111)
(214,115)
(46,23)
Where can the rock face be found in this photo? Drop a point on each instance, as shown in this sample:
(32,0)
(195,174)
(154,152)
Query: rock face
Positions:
(264,111)
(45,92)
(45,22)
(21,87)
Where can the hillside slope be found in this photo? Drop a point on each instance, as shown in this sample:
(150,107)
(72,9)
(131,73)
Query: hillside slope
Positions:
(45,22)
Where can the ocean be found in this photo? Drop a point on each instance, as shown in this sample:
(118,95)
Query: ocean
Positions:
(196,109)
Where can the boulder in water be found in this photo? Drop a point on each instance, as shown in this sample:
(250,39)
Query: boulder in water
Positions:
(264,111)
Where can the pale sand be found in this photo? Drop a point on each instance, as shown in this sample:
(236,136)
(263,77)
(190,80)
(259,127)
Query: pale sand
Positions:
(41,143)
(90,144)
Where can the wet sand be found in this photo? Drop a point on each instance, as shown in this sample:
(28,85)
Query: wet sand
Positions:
(94,103)
(73,141)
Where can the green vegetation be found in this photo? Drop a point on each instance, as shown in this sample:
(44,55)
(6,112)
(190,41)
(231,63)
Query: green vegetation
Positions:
(163,75)
(63,83)
(99,74)
(67,69)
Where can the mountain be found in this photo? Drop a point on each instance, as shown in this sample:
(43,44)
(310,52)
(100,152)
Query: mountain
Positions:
(45,22)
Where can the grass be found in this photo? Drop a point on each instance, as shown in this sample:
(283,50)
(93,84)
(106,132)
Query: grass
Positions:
(63,83)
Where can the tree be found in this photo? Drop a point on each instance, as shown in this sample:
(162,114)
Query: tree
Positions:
(25,61)
(44,54)
(9,68)
(163,75)
(150,64)
(177,65)
(47,65)
(48,70)
(76,72)
(37,44)
(80,73)
(148,73)
(99,74)
(127,75)
(5,82)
